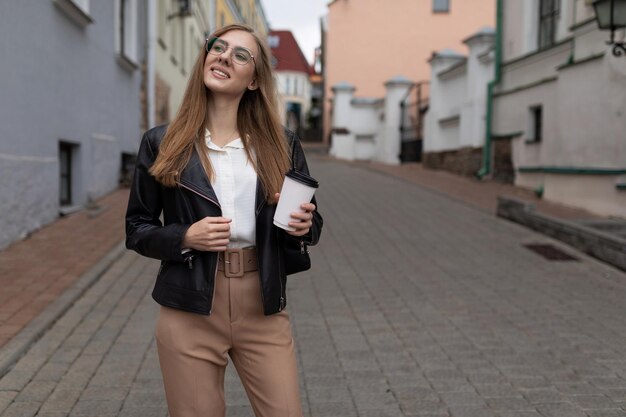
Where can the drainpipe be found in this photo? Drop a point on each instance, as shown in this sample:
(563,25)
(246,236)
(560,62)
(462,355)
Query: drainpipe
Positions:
(150,62)
(486,163)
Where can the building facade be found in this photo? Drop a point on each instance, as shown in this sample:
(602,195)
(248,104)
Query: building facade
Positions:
(70,114)
(368,42)
(293,78)
(181,30)
(250,12)
(560,103)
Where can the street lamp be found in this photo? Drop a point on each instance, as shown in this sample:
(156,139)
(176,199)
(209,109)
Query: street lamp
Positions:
(611,15)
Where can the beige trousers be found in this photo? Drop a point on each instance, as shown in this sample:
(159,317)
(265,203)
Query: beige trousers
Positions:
(193,353)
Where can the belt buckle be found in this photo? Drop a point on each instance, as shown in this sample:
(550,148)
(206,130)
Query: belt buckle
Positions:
(233,263)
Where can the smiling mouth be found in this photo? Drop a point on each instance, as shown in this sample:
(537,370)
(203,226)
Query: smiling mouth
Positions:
(220,73)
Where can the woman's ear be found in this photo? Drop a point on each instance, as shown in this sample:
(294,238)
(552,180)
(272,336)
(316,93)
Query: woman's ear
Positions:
(252,85)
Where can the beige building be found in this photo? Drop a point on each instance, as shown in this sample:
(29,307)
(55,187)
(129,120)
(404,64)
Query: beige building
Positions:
(370,41)
(180,33)
(249,12)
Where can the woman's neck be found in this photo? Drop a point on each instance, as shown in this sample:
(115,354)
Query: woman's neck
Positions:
(222,120)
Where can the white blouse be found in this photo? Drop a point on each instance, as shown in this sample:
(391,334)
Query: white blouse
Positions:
(235,186)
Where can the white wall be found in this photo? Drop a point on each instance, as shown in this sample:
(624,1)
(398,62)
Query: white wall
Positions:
(368,128)
(458,91)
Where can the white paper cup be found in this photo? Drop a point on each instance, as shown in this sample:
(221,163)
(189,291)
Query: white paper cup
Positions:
(298,188)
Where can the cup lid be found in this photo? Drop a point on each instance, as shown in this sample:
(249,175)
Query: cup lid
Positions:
(303,178)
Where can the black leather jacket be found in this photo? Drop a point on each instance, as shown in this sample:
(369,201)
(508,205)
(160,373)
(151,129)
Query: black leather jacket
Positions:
(187,281)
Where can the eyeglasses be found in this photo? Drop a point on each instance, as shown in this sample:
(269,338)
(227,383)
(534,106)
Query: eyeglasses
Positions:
(240,55)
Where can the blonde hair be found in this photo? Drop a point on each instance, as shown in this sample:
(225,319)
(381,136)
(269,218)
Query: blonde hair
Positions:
(258,123)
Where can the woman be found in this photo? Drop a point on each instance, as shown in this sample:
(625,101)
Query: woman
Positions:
(214,174)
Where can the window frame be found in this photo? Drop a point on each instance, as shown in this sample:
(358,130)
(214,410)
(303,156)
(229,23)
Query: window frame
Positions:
(440,8)
(536,125)
(65,178)
(549,13)
(126,38)
(76,10)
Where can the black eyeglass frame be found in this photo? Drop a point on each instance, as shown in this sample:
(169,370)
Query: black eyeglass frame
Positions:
(211,41)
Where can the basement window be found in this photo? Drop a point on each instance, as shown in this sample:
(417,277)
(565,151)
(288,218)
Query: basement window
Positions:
(535,124)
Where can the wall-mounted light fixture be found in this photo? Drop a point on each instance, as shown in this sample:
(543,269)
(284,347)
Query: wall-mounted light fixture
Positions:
(183,10)
(611,15)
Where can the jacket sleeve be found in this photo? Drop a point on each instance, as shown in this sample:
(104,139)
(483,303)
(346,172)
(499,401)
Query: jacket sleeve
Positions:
(145,233)
(313,236)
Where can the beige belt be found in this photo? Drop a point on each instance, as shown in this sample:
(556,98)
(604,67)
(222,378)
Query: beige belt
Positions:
(235,262)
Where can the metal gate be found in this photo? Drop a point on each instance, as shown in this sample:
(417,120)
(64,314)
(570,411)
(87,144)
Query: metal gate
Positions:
(413,108)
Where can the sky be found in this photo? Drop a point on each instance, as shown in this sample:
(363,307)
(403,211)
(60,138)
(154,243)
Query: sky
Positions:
(302,17)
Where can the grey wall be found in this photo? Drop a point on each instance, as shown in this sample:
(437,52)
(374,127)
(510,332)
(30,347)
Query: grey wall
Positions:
(61,82)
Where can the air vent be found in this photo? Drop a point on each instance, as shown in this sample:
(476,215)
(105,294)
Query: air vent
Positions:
(550,252)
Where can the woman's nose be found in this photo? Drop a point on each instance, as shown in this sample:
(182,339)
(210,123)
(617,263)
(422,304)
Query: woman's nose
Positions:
(226,56)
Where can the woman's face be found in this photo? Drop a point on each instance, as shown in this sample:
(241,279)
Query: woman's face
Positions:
(223,72)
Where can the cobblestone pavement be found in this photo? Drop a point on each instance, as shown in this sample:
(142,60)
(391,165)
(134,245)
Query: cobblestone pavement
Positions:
(35,271)
(479,193)
(417,305)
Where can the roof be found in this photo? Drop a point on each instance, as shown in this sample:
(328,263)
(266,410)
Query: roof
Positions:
(287,52)
(485,32)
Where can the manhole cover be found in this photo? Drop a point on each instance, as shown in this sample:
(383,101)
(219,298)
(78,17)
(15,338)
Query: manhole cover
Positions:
(550,252)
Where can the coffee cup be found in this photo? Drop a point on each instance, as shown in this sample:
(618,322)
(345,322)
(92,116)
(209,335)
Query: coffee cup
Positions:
(298,188)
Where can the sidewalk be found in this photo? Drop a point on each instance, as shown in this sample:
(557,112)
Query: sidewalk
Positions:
(36,270)
(480,194)
(430,306)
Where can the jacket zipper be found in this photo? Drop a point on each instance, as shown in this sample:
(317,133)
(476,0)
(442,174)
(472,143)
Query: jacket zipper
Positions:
(259,208)
(206,197)
(190,259)
(281,301)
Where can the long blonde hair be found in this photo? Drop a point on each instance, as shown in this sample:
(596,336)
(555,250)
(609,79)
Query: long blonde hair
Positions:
(258,123)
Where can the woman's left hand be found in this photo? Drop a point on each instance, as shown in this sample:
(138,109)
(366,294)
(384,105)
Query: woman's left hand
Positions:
(302,220)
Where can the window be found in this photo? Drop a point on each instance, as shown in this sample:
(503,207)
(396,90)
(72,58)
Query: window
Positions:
(273,41)
(183,50)
(287,85)
(128,168)
(162,24)
(441,6)
(65,173)
(76,10)
(127,33)
(548,18)
(83,4)
(536,124)
(175,32)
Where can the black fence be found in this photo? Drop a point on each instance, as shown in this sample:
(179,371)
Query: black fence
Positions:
(413,111)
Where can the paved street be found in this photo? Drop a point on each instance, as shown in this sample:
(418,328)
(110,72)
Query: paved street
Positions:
(417,305)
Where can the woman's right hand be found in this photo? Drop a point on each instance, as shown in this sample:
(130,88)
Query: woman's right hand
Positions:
(210,234)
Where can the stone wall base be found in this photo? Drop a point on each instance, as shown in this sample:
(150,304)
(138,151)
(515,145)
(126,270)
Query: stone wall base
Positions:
(465,161)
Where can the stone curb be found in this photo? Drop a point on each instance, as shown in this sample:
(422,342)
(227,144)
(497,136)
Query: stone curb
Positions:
(21,342)
(603,246)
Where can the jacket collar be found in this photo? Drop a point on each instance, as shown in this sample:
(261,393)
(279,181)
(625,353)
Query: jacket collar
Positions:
(194,177)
